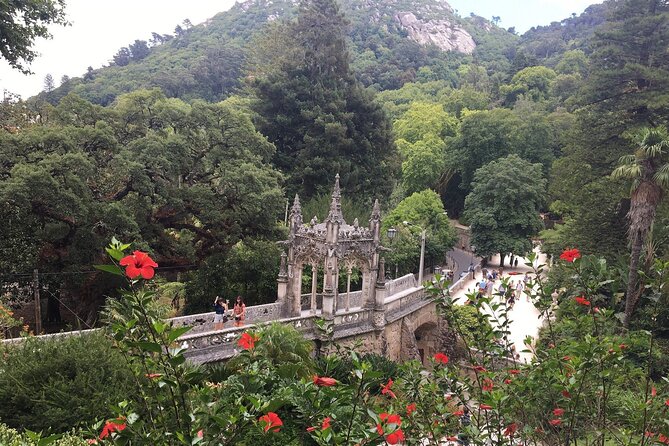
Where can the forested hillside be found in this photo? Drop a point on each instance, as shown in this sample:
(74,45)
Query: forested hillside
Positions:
(190,145)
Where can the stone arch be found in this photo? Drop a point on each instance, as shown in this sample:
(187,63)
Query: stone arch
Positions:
(427,340)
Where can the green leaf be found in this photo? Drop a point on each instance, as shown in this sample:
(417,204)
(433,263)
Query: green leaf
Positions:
(150,346)
(115,253)
(176,333)
(113,269)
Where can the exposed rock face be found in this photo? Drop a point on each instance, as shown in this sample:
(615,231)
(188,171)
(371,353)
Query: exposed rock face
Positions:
(442,33)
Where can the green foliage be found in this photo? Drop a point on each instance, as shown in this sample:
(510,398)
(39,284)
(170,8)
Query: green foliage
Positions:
(421,210)
(23,22)
(318,116)
(11,437)
(56,384)
(531,82)
(503,208)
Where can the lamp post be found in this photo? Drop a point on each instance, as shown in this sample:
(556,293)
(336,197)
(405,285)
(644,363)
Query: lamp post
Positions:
(392,232)
(423,233)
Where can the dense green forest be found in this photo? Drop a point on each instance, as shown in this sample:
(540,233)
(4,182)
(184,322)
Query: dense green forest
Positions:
(190,145)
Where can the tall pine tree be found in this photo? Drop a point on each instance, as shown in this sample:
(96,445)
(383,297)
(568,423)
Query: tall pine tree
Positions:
(320,119)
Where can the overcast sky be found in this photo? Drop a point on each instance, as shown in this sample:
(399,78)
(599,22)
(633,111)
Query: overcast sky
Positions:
(99,28)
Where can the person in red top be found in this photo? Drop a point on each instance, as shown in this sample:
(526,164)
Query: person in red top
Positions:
(239,311)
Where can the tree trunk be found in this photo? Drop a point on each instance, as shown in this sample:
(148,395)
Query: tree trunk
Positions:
(643,207)
(633,277)
(501,259)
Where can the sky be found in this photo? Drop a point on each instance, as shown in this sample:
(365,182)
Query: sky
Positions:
(100,27)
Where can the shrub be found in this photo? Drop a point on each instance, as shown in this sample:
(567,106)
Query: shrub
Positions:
(11,437)
(56,384)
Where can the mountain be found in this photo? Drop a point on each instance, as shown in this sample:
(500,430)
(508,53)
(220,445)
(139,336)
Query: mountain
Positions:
(392,42)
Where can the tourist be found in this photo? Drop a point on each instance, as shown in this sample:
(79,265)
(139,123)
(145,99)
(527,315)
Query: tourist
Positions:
(489,287)
(221,309)
(519,289)
(515,262)
(239,311)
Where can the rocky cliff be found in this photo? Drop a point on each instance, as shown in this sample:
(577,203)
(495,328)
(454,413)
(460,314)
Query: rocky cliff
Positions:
(442,33)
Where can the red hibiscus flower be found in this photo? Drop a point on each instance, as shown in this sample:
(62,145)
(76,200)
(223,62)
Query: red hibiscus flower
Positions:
(324,381)
(653,391)
(487,385)
(271,421)
(480,368)
(666,403)
(411,408)
(511,429)
(566,394)
(507,381)
(649,434)
(395,437)
(200,434)
(555,422)
(484,407)
(247,341)
(138,263)
(326,423)
(514,371)
(558,412)
(570,255)
(391,418)
(582,301)
(385,390)
(452,438)
(111,427)
(622,346)
(441,358)
(663,439)
(459,413)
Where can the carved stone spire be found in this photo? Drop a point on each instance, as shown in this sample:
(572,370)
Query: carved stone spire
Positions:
(296,213)
(376,212)
(381,276)
(335,214)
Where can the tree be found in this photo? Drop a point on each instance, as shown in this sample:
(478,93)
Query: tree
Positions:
(122,57)
(532,82)
(503,207)
(319,117)
(21,22)
(648,168)
(49,83)
(139,49)
(421,210)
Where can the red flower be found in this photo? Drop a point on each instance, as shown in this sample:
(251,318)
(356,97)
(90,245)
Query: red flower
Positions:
(511,429)
(558,412)
(507,381)
(666,403)
(92,441)
(395,437)
(271,421)
(566,358)
(459,413)
(138,263)
(649,434)
(111,427)
(452,438)
(247,341)
(622,346)
(570,255)
(153,375)
(480,368)
(566,394)
(386,389)
(324,381)
(582,301)
(391,418)
(555,422)
(379,429)
(484,407)
(326,423)
(200,434)
(514,371)
(441,358)
(411,408)
(663,439)
(487,385)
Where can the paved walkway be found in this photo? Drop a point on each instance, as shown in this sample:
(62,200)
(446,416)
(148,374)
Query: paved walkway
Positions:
(524,316)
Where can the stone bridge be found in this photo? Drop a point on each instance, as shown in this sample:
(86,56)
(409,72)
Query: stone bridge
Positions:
(394,318)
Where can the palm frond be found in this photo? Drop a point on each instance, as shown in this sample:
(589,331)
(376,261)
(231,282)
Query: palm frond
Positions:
(661,177)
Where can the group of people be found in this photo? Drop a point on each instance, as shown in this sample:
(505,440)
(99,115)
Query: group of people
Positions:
(224,313)
(511,290)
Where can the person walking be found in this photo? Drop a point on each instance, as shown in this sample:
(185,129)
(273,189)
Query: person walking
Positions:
(239,311)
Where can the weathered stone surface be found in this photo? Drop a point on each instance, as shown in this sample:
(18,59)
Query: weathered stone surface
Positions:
(442,33)
(408,348)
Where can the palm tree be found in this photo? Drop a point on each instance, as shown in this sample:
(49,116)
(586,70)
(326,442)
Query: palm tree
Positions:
(648,167)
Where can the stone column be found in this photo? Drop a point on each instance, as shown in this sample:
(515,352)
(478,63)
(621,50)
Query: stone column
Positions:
(379,318)
(296,288)
(348,289)
(329,284)
(314,285)
(282,281)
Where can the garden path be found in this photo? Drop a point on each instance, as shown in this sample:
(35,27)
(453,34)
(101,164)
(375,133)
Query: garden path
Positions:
(525,318)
